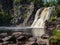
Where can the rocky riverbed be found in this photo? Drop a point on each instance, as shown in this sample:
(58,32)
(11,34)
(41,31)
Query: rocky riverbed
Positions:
(20,38)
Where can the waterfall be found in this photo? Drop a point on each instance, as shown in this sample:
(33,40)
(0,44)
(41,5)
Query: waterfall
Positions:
(36,17)
(40,23)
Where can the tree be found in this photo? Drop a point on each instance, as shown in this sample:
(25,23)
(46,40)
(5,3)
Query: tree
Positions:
(5,19)
(58,1)
(50,2)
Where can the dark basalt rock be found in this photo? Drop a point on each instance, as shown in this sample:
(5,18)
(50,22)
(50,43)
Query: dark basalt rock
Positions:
(12,39)
(44,36)
(1,41)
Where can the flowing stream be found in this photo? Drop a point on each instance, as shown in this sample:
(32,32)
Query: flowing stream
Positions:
(39,21)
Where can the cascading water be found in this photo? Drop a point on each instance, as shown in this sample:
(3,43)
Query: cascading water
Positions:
(40,23)
(36,17)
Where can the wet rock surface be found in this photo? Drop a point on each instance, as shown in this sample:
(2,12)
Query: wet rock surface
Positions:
(21,39)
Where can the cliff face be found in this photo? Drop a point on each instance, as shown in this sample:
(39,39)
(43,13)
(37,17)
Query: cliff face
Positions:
(22,11)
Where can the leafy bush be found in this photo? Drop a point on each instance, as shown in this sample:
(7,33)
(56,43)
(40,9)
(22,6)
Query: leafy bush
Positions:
(52,18)
(58,12)
(56,33)
(5,19)
(56,37)
(50,3)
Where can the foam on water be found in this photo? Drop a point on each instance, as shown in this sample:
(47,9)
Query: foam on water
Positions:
(40,23)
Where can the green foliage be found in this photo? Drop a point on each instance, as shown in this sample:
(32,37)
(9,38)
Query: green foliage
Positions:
(5,19)
(22,1)
(52,18)
(58,12)
(15,1)
(58,1)
(53,39)
(56,33)
(40,2)
(55,14)
(56,37)
(46,4)
(50,3)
